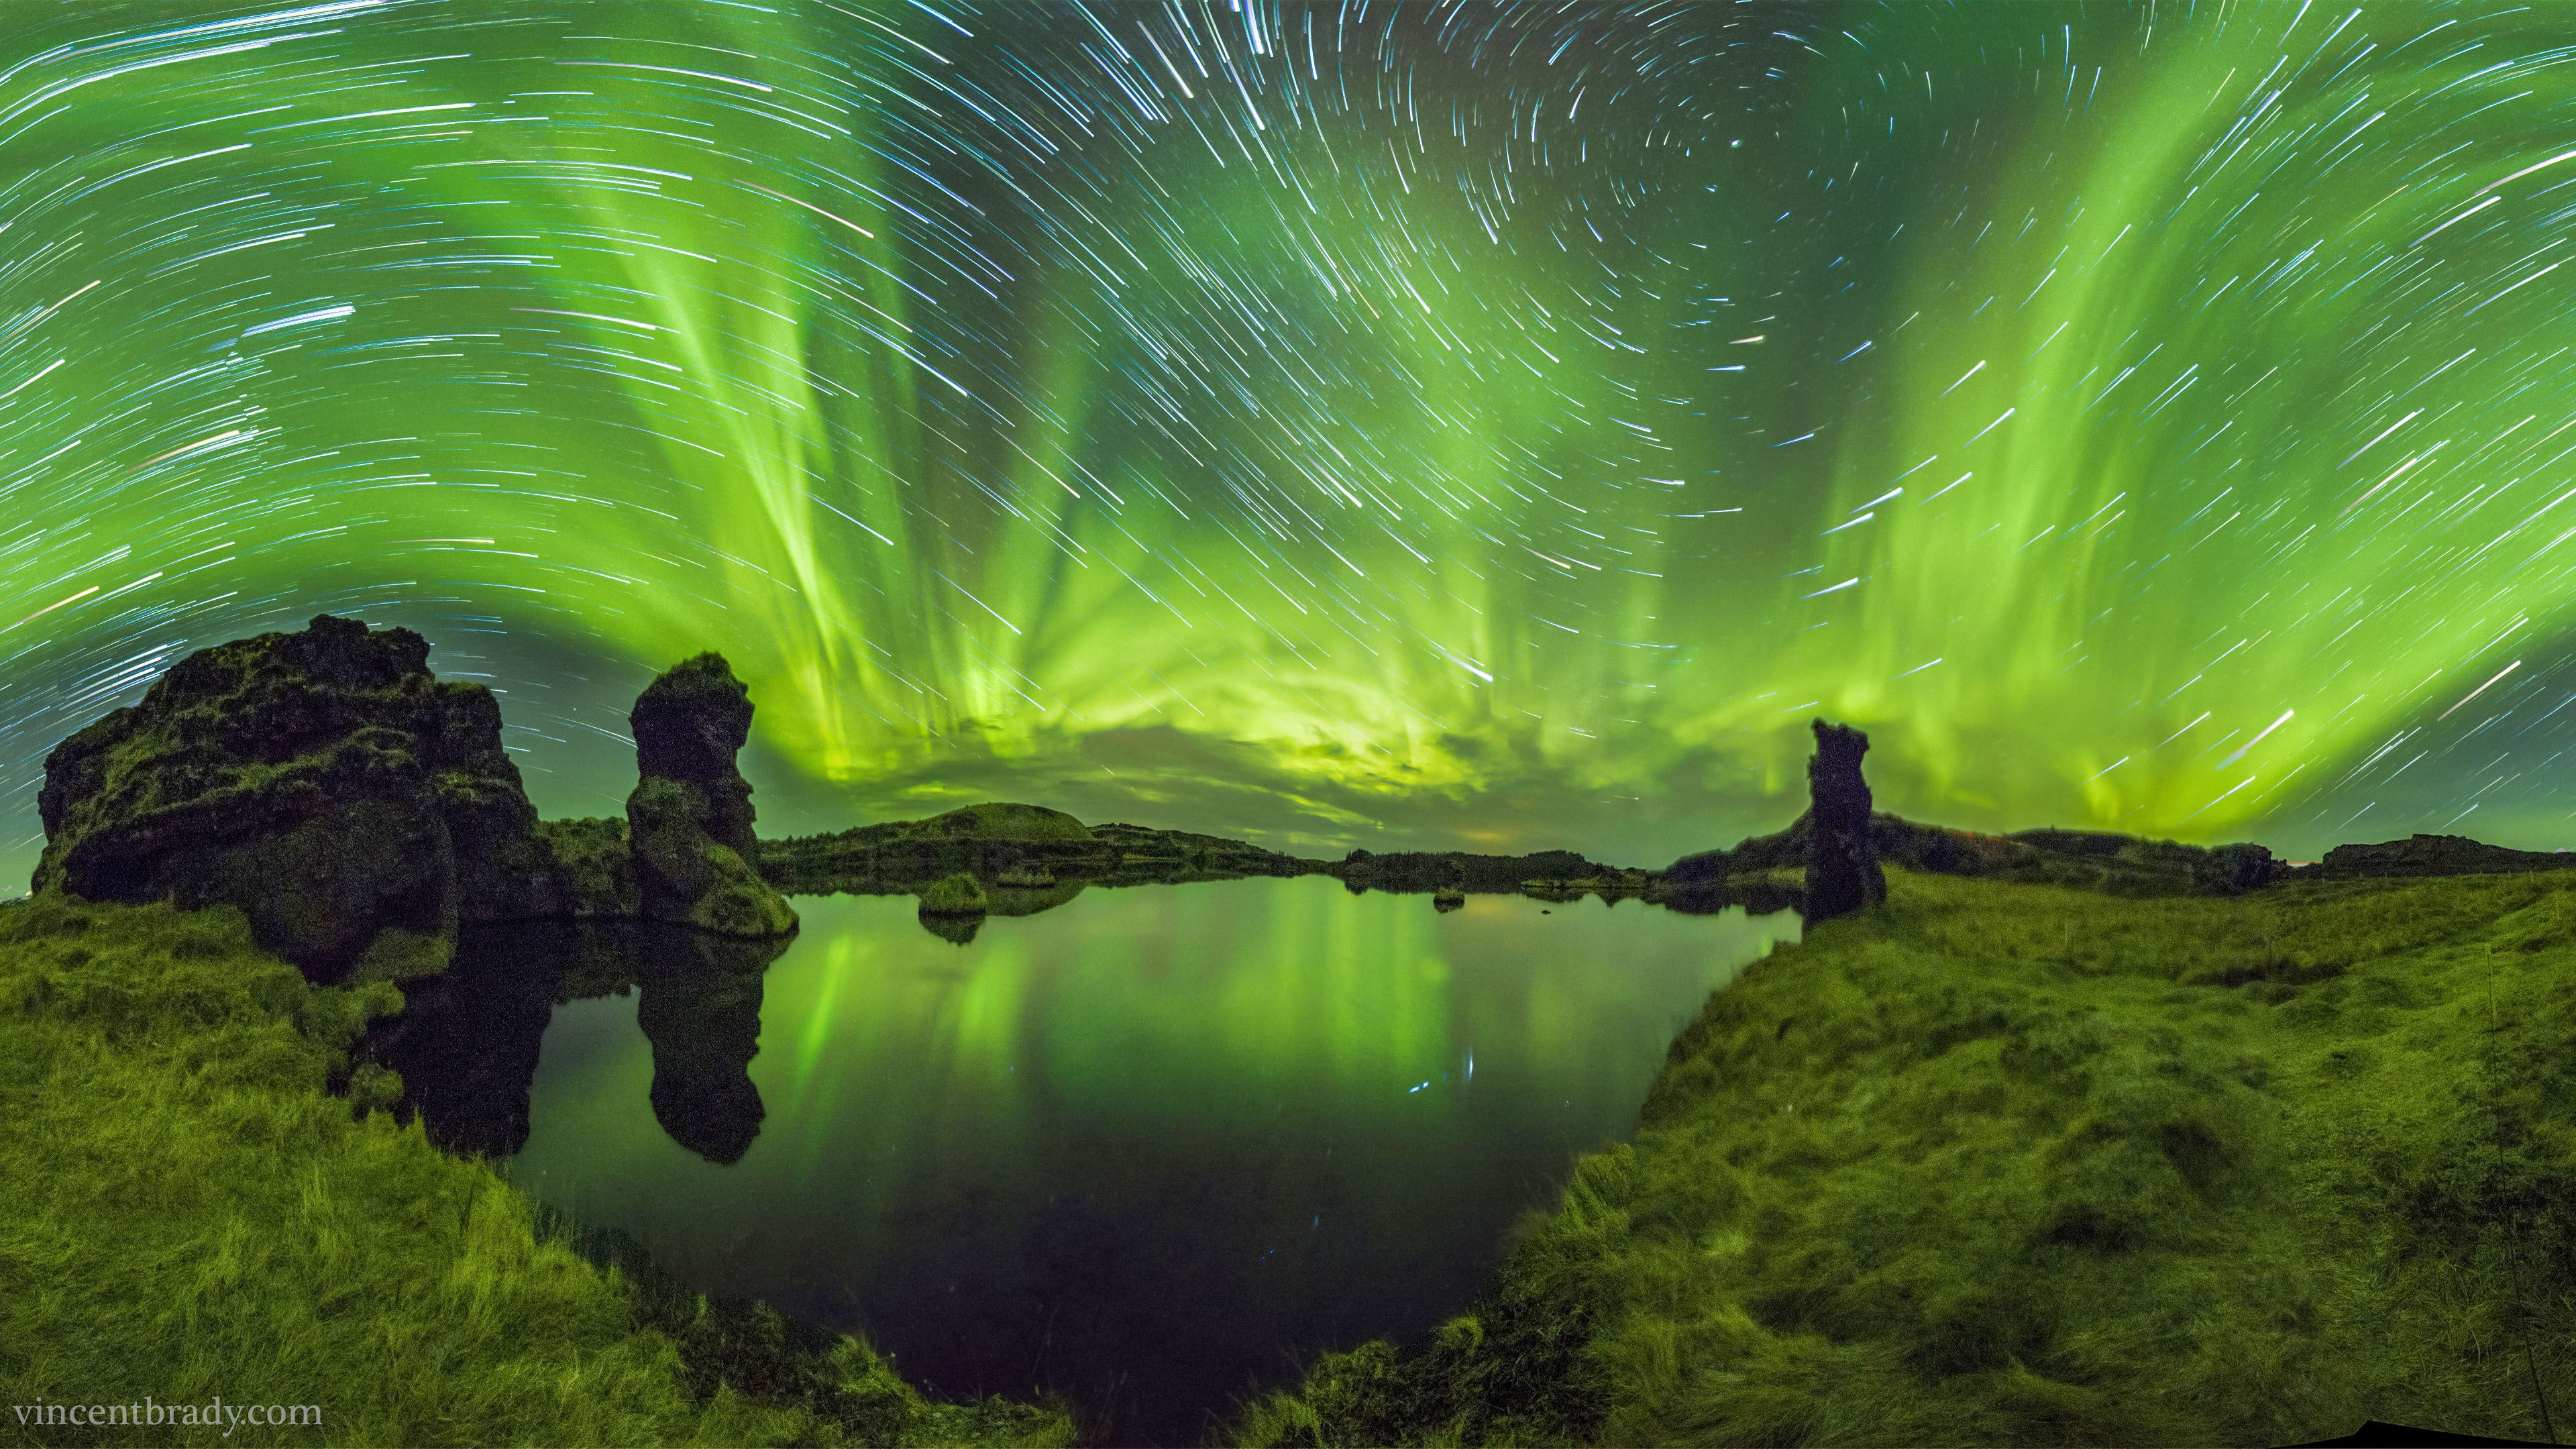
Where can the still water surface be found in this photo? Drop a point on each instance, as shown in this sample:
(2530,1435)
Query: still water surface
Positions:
(1150,1149)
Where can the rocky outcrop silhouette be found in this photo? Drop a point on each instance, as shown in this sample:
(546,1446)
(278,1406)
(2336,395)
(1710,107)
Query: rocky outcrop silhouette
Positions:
(2098,860)
(1843,873)
(2437,855)
(352,805)
(359,811)
(689,820)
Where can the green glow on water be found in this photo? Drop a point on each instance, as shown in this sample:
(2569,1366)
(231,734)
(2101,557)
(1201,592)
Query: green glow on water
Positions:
(1253,1097)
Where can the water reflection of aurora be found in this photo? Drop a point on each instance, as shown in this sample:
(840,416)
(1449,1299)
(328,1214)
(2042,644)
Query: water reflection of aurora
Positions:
(1465,419)
(1180,1128)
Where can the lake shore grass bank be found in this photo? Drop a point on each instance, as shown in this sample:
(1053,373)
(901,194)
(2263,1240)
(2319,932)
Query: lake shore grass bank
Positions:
(187,1212)
(2017,1164)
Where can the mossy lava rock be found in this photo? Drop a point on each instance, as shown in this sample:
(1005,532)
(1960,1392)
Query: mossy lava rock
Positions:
(325,782)
(689,820)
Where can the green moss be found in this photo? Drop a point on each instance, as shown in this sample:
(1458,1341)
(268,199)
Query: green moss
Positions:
(957,895)
(701,881)
(187,1213)
(596,866)
(998,820)
(397,955)
(2017,1164)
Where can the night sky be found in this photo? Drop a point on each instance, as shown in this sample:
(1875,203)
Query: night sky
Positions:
(1500,425)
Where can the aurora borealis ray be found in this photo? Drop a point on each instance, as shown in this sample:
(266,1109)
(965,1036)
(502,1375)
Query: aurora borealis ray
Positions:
(2140,417)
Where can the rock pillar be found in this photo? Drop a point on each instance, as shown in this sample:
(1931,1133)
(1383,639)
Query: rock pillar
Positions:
(1842,863)
(689,820)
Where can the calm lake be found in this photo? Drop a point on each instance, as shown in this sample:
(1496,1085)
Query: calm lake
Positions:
(1150,1149)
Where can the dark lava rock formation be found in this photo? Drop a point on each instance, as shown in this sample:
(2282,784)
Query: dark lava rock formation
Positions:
(351,805)
(359,811)
(1843,874)
(689,820)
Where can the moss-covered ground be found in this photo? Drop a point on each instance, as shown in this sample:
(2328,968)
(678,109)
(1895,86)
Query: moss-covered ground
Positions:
(187,1213)
(2012,1164)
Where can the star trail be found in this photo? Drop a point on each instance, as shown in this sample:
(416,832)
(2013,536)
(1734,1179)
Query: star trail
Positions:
(1501,421)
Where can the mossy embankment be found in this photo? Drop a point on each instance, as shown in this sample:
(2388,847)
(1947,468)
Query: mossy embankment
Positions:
(2012,1164)
(187,1212)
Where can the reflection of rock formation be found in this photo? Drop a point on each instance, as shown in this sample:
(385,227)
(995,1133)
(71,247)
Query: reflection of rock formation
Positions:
(689,820)
(1758,897)
(1009,900)
(466,1041)
(955,929)
(701,1012)
(354,807)
(1843,874)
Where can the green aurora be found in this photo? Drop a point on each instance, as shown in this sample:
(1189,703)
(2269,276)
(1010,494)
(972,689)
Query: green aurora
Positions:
(1502,424)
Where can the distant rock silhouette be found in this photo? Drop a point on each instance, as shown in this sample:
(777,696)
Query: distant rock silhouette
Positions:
(2437,855)
(1843,874)
(689,820)
(2097,860)
(2236,869)
(1002,844)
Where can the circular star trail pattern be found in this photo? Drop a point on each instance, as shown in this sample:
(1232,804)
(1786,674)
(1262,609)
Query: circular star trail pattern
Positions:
(2149,417)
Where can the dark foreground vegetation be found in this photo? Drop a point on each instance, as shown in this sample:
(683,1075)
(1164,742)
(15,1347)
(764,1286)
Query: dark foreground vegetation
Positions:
(2004,1164)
